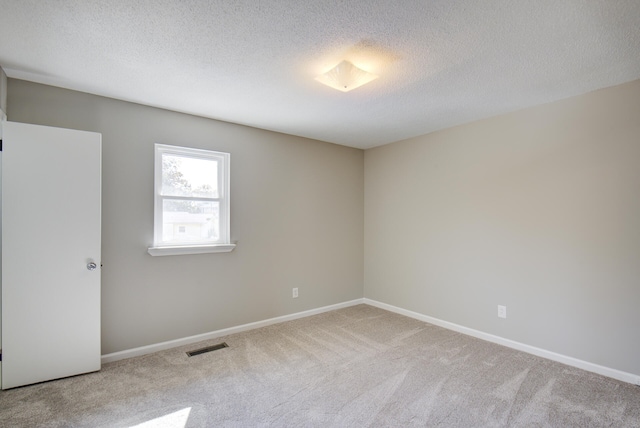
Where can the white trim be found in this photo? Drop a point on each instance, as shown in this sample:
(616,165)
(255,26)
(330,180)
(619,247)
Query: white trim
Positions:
(143,350)
(570,361)
(193,249)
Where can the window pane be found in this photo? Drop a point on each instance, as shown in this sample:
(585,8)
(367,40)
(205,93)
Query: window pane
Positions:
(185,176)
(190,222)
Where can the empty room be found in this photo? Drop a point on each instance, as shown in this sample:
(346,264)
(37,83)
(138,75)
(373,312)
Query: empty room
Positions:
(330,213)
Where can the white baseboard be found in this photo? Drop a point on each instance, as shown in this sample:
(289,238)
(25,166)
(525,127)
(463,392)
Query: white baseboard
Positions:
(143,350)
(570,361)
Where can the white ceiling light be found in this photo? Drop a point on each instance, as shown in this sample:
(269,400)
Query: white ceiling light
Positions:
(345,77)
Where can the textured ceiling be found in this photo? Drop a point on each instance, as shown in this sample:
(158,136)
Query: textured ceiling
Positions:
(253,62)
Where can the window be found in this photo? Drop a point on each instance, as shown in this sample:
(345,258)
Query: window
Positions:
(191,213)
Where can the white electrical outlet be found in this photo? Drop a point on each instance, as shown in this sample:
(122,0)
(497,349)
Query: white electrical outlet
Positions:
(295,293)
(502,311)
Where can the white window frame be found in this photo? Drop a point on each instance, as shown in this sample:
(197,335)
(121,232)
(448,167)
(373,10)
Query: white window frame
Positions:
(223,244)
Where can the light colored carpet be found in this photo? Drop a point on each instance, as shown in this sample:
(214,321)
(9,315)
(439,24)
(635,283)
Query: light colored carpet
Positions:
(355,367)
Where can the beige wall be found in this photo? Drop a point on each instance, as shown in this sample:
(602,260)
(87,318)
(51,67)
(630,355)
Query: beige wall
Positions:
(538,210)
(296,214)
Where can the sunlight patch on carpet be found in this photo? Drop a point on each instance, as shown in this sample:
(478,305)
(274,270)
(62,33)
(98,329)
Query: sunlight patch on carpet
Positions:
(172,420)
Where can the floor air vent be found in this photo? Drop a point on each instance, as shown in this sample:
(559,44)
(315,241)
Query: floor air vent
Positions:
(208,349)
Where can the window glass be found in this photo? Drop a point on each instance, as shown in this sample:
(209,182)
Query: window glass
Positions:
(190,221)
(192,197)
(187,176)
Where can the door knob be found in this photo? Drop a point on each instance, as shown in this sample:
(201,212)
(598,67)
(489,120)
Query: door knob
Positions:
(91,266)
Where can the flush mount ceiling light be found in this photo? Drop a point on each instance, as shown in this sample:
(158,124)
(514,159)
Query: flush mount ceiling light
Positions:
(345,77)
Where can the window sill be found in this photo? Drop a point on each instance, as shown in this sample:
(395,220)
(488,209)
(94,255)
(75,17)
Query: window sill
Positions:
(190,249)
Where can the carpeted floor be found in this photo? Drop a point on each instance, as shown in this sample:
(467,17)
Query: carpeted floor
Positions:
(355,367)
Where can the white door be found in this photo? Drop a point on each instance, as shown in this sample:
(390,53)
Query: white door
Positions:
(51,181)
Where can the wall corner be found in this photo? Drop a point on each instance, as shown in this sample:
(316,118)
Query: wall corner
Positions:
(3,94)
